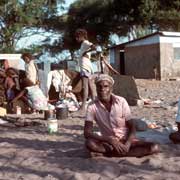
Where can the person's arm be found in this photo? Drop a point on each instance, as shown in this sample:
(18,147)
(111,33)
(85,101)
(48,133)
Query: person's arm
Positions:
(109,66)
(91,48)
(88,132)
(88,126)
(19,96)
(131,132)
(114,141)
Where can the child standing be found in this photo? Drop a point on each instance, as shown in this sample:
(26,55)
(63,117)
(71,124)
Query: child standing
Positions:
(85,63)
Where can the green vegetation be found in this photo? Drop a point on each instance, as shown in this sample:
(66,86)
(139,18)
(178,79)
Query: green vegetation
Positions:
(102,18)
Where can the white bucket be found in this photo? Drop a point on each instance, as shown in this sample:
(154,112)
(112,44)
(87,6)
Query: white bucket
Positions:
(52,125)
(18,110)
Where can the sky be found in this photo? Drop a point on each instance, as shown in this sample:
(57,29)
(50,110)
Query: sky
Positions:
(36,39)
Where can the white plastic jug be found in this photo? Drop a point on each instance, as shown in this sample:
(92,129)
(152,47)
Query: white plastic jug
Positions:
(52,126)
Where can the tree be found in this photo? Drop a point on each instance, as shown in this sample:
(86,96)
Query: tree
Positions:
(163,14)
(18,17)
(102,18)
(125,18)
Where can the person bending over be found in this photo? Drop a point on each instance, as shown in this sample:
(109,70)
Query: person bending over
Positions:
(113,117)
(33,96)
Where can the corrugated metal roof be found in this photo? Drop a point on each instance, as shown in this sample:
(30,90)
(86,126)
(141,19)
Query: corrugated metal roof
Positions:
(161,33)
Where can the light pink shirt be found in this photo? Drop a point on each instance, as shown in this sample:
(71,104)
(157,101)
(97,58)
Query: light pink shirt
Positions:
(111,123)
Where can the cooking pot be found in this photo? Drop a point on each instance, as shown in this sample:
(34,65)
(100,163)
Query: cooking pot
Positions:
(62,112)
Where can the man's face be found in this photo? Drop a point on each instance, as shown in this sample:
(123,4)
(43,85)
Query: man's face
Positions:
(104,90)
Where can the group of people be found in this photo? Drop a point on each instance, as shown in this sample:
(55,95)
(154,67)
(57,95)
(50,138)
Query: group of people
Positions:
(86,69)
(110,112)
(24,85)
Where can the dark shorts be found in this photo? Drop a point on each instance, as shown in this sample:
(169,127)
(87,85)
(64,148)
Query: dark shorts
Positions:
(85,73)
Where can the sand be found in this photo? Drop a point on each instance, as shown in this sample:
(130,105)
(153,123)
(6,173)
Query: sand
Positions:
(30,153)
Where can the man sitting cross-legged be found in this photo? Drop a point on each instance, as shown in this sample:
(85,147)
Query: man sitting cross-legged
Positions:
(113,117)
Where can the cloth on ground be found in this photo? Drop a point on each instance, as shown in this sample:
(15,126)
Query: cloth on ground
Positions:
(59,80)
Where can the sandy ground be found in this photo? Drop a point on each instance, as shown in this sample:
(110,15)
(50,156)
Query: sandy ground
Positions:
(31,153)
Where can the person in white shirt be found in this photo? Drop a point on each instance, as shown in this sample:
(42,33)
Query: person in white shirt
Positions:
(30,68)
(85,63)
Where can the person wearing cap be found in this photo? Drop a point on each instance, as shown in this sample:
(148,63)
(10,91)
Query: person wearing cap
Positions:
(113,117)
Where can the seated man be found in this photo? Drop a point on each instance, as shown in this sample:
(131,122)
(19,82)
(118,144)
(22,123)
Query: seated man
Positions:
(113,117)
(175,136)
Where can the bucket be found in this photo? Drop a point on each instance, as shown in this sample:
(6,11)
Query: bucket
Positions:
(18,110)
(62,112)
(52,126)
(49,114)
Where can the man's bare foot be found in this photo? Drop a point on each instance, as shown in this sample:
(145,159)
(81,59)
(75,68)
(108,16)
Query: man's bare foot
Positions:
(96,154)
(82,110)
(155,149)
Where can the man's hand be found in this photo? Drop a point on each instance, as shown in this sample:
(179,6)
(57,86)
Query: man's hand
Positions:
(85,55)
(119,147)
(128,145)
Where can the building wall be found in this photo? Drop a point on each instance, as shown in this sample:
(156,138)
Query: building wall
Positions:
(166,60)
(170,67)
(115,58)
(150,55)
(141,61)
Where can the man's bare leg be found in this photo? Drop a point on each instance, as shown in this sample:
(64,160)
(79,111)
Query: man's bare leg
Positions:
(138,149)
(175,137)
(141,148)
(95,146)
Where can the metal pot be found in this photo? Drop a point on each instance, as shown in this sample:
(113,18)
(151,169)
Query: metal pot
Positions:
(48,114)
(62,112)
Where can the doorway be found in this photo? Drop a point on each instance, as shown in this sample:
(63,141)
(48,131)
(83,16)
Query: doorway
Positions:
(122,62)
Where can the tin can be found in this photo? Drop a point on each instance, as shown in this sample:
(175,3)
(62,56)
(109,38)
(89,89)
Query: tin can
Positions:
(62,112)
(49,114)
(52,126)
(18,110)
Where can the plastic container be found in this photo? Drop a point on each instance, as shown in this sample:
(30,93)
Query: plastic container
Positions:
(18,110)
(61,112)
(52,126)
